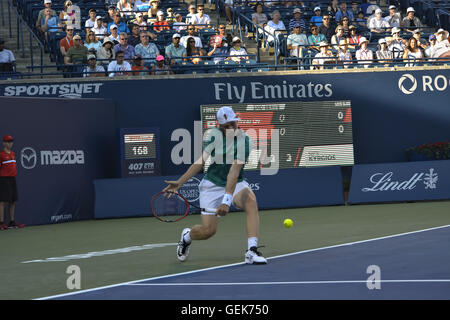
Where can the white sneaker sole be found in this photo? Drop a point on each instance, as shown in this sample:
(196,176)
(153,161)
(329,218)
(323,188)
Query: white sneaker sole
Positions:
(183,257)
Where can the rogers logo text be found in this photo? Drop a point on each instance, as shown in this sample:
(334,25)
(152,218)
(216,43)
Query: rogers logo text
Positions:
(408,84)
(66,90)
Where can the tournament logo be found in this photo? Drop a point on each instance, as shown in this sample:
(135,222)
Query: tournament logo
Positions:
(190,190)
(28,158)
(410,83)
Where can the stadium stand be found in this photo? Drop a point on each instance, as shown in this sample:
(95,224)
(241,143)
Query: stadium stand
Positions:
(266,48)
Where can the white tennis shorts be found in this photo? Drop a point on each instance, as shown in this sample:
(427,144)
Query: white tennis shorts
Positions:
(211,195)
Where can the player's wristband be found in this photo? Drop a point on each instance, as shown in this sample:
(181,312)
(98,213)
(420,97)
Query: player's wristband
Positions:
(227,199)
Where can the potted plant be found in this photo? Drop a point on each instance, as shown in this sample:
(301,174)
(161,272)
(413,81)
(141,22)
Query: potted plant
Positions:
(430,151)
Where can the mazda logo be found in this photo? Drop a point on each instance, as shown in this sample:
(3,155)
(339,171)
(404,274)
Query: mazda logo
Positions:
(28,158)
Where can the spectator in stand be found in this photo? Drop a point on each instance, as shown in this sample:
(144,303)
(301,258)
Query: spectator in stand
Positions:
(170,18)
(396,44)
(178,25)
(346,26)
(92,69)
(125,8)
(109,18)
(378,24)
(92,43)
(411,22)
(417,34)
(361,20)
(91,22)
(394,18)
(105,54)
(50,25)
(67,42)
(8,184)
(442,48)
(139,69)
(217,38)
(193,51)
(72,17)
(315,38)
(192,11)
(259,18)
(297,13)
(432,41)
(337,37)
(219,53)
(237,51)
(142,5)
(7,60)
(160,24)
(325,56)
(123,46)
(76,54)
(140,21)
(364,55)
(99,29)
(114,34)
(333,8)
(355,8)
(326,29)
(201,20)
(147,50)
(343,54)
(175,51)
(412,52)
(41,15)
(383,54)
(296,42)
(316,19)
(343,12)
(135,37)
(160,68)
(154,8)
(273,26)
(229,11)
(119,67)
(121,26)
(353,37)
(191,34)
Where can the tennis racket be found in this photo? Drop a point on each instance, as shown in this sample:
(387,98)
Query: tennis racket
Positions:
(170,206)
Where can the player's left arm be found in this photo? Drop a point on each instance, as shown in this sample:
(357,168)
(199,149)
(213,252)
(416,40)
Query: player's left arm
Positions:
(232,177)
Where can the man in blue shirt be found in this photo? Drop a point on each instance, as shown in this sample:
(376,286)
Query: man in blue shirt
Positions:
(343,12)
(317,18)
(121,26)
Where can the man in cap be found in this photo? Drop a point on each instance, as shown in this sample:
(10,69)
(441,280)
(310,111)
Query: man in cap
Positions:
(175,51)
(114,33)
(316,19)
(223,185)
(411,22)
(78,53)
(139,69)
(383,54)
(99,29)
(297,41)
(378,24)
(92,69)
(394,18)
(432,43)
(297,19)
(7,60)
(343,12)
(237,51)
(442,48)
(41,15)
(396,44)
(364,55)
(8,185)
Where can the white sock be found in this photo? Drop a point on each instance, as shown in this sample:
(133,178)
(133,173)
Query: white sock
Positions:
(252,242)
(187,237)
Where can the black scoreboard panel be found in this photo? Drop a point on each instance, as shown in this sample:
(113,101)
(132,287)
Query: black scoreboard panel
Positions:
(310,133)
(140,146)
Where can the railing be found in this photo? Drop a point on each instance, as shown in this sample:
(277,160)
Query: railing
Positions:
(20,37)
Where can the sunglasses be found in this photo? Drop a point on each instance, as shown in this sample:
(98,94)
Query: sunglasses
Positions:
(221,28)
(325,18)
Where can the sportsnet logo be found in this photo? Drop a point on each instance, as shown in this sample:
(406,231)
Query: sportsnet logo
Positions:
(66,90)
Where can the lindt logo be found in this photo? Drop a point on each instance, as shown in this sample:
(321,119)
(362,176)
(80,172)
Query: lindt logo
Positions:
(385,182)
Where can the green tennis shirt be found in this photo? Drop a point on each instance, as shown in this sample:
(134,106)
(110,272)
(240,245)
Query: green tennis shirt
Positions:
(223,153)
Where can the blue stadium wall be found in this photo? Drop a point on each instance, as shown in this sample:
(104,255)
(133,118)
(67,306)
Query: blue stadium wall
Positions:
(392,110)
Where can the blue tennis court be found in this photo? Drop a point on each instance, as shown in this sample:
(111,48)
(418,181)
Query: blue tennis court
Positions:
(413,265)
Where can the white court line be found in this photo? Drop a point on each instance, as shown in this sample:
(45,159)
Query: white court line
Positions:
(289,282)
(241,263)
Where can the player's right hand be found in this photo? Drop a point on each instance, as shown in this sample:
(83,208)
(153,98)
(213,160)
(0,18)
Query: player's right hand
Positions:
(173,186)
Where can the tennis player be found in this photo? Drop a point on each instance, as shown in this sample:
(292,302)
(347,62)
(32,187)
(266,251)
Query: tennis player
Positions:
(222,186)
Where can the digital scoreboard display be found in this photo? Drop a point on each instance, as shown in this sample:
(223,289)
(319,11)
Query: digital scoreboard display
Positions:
(308,134)
(139,152)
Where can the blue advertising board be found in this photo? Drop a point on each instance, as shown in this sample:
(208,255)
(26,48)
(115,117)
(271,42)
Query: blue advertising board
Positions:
(289,188)
(61,145)
(403,181)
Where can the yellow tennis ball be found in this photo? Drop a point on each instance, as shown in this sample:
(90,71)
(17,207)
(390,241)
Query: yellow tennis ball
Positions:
(288,223)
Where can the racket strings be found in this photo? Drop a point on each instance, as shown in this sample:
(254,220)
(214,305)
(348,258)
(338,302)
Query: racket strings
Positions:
(166,204)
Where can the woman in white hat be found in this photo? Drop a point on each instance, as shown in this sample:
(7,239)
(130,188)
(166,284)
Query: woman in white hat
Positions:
(105,54)
(364,55)
(411,22)
(383,54)
(344,55)
(442,47)
(237,52)
(325,56)
(99,29)
(396,44)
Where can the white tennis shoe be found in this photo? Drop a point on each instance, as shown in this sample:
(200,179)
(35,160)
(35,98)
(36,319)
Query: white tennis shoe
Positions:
(183,246)
(253,256)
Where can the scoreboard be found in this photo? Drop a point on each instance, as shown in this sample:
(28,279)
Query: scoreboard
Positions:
(310,134)
(139,152)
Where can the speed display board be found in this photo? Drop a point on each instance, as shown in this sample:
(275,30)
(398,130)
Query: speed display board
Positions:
(310,134)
